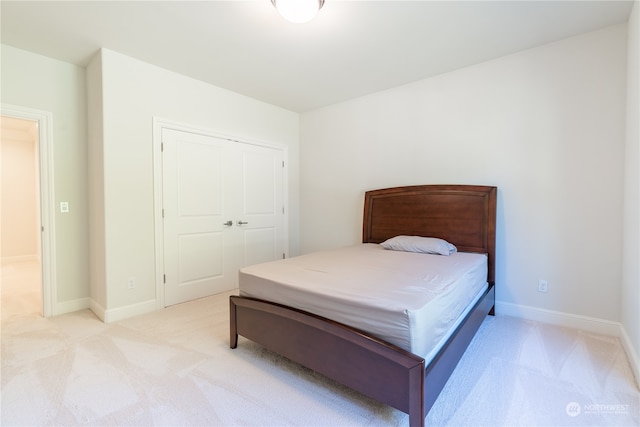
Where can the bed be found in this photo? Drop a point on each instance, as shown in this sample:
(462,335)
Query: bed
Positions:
(464,215)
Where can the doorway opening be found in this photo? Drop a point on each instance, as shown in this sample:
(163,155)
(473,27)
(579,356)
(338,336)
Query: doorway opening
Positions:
(21,290)
(26,222)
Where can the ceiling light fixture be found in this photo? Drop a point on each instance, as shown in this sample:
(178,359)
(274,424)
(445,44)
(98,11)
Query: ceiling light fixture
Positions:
(298,11)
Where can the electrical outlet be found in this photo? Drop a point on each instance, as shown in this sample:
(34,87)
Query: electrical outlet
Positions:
(542,285)
(131,282)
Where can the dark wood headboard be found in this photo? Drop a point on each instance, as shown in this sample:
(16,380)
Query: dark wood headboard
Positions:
(464,215)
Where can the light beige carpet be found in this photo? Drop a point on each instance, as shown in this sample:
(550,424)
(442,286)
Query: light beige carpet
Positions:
(174,367)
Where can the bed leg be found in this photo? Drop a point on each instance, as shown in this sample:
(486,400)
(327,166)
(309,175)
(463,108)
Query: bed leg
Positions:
(492,312)
(233,330)
(417,408)
(416,420)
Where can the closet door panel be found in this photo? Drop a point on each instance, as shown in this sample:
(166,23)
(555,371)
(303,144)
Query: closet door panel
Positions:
(262,205)
(195,208)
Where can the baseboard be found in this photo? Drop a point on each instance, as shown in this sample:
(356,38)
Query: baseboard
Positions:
(634,359)
(20,258)
(71,306)
(128,311)
(97,309)
(575,321)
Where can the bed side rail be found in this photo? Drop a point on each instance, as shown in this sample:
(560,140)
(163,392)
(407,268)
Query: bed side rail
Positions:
(443,364)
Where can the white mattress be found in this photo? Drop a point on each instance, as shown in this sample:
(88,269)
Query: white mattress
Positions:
(407,299)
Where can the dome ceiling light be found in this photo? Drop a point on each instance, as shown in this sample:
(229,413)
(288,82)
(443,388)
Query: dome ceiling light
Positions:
(298,11)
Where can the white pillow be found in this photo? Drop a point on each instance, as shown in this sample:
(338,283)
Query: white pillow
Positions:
(423,245)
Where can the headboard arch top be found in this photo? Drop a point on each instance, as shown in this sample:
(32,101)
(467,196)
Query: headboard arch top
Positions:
(464,215)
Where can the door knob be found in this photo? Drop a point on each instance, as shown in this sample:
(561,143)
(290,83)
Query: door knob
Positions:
(228,223)
(242,222)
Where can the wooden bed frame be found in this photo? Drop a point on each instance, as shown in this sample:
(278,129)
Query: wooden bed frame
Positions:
(464,215)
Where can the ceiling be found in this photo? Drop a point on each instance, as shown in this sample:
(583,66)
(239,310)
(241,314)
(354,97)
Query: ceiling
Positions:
(352,48)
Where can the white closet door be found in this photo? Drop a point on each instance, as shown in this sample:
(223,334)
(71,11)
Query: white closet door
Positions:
(222,210)
(261,208)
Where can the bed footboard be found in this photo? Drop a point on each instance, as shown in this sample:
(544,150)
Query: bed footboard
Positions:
(373,367)
(377,369)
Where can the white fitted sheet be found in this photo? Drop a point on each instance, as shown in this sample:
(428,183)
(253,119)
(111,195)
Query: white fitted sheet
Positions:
(408,299)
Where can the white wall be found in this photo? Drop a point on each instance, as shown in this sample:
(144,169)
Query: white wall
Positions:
(631,241)
(133,93)
(546,125)
(37,82)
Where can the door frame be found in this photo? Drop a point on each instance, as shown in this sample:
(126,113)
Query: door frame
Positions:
(47,210)
(158,125)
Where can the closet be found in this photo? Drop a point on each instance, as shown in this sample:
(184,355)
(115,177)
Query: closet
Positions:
(223,208)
